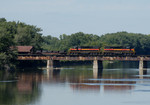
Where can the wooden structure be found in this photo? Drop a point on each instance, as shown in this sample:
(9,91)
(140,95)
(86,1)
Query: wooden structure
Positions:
(23,49)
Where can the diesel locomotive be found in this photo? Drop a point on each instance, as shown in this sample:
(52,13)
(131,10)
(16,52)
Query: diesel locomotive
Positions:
(118,50)
(107,50)
(84,50)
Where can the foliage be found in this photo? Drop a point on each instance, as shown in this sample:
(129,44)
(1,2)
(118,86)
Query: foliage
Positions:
(28,35)
(16,33)
(50,43)
(140,42)
(67,41)
(6,40)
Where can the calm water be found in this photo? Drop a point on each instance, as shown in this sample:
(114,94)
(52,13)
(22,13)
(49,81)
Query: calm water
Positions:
(118,84)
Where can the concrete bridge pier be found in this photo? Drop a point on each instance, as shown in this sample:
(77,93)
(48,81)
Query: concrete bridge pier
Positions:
(97,64)
(142,67)
(97,68)
(51,64)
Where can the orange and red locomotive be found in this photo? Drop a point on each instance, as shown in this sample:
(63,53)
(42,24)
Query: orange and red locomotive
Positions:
(107,50)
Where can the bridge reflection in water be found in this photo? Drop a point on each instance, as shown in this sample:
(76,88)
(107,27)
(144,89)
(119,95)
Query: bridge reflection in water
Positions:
(99,82)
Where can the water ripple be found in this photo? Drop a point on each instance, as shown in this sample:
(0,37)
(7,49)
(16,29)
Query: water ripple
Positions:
(9,81)
(119,79)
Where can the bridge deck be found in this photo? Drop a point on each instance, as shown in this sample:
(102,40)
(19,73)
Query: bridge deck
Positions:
(73,58)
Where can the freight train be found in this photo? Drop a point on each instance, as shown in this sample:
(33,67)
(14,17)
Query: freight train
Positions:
(90,50)
(84,50)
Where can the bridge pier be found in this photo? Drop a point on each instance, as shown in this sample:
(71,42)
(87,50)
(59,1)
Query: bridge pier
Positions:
(142,67)
(97,68)
(51,64)
(97,64)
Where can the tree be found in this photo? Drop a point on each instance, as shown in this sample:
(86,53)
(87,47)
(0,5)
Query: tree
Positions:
(7,56)
(140,42)
(16,33)
(28,35)
(2,20)
(50,43)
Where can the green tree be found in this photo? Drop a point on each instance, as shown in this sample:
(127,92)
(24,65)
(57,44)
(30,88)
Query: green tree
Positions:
(28,35)
(16,33)
(7,56)
(50,43)
(140,42)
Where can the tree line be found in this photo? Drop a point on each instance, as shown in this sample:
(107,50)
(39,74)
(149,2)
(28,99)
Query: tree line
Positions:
(14,33)
(140,42)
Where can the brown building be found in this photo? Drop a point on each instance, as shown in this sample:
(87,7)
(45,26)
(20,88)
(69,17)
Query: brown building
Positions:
(24,49)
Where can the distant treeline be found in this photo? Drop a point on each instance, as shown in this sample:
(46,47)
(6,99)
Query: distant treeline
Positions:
(140,42)
(18,33)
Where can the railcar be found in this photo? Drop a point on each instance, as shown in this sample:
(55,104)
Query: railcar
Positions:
(84,50)
(118,50)
(54,53)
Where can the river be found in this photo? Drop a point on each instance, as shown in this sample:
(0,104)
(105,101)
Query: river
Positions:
(119,83)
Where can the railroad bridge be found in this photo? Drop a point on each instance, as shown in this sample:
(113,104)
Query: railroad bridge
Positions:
(53,60)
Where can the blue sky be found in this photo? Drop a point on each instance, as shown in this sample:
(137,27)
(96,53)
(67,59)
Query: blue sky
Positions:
(99,17)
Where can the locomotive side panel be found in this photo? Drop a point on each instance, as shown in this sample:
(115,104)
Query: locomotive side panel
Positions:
(82,50)
(118,50)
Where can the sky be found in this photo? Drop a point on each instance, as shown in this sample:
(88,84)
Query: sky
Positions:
(57,17)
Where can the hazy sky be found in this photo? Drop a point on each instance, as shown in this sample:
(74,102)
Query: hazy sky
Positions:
(99,17)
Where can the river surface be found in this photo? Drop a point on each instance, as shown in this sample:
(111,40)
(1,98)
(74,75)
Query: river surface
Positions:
(119,83)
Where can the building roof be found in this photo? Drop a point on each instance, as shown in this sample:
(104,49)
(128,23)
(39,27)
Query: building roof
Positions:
(24,48)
